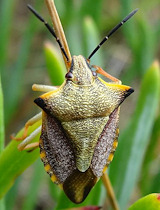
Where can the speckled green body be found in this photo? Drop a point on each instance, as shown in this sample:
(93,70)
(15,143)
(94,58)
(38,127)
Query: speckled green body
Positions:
(82,106)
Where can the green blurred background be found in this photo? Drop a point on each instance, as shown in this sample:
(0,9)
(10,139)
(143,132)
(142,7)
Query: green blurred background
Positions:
(127,55)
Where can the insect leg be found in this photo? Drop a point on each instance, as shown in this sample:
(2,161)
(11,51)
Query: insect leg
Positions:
(30,122)
(43,88)
(31,146)
(25,143)
(99,70)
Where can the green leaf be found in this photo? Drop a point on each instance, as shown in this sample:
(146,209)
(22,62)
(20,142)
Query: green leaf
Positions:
(73,34)
(55,64)
(2,203)
(155,185)
(86,208)
(13,162)
(139,33)
(30,200)
(126,167)
(11,196)
(6,17)
(94,10)
(66,10)
(91,39)
(13,85)
(147,177)
(143,55)
(13,92)
(149,202)
(1,120)
(54,190)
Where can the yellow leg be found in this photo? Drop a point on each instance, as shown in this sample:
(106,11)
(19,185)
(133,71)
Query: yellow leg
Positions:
(43,88)
(26,142)
(30,122)
(99,70)
(32,146)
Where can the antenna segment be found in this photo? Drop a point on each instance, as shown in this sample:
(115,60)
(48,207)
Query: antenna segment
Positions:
(112,31)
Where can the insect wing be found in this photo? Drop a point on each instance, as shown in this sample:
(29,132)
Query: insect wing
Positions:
(56,152)
(106,145)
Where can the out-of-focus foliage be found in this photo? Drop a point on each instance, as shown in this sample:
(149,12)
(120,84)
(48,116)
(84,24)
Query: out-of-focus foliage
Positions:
(2,205)
(148,202)
(56,69)
(136,137)
(128,55)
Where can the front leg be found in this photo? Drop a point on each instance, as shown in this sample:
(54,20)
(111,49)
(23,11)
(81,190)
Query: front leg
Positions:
(31,146)
(43,88)
(25,144)
(29,123)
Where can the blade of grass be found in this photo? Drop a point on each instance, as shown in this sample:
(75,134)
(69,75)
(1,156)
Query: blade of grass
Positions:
(2,201)
(54,190)
(2,204)
(15,161)
(146,178)
(94,10)
(55,65)
(126,166)
(126,8)
(11,196)
(6,17)
(14,88)
(73,34)
(65,16)
(35,184)
(1,120)
(155,185)
(143,55)
(91,39)
(141,41)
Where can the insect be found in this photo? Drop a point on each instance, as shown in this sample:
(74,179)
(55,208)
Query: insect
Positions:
(79,132)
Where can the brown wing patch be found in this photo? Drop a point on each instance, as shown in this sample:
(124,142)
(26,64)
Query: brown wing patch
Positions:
(55,150)
(78,185)
(107,143)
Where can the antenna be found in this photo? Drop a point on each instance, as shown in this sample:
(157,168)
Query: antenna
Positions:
(50,29)
(112,31)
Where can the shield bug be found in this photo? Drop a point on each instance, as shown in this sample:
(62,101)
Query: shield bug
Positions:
(79,132)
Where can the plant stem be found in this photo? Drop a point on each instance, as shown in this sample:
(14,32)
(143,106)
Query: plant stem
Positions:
(110,191)
(59,30)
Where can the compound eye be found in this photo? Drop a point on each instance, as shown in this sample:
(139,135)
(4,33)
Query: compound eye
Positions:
(69,75)
(94,73)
